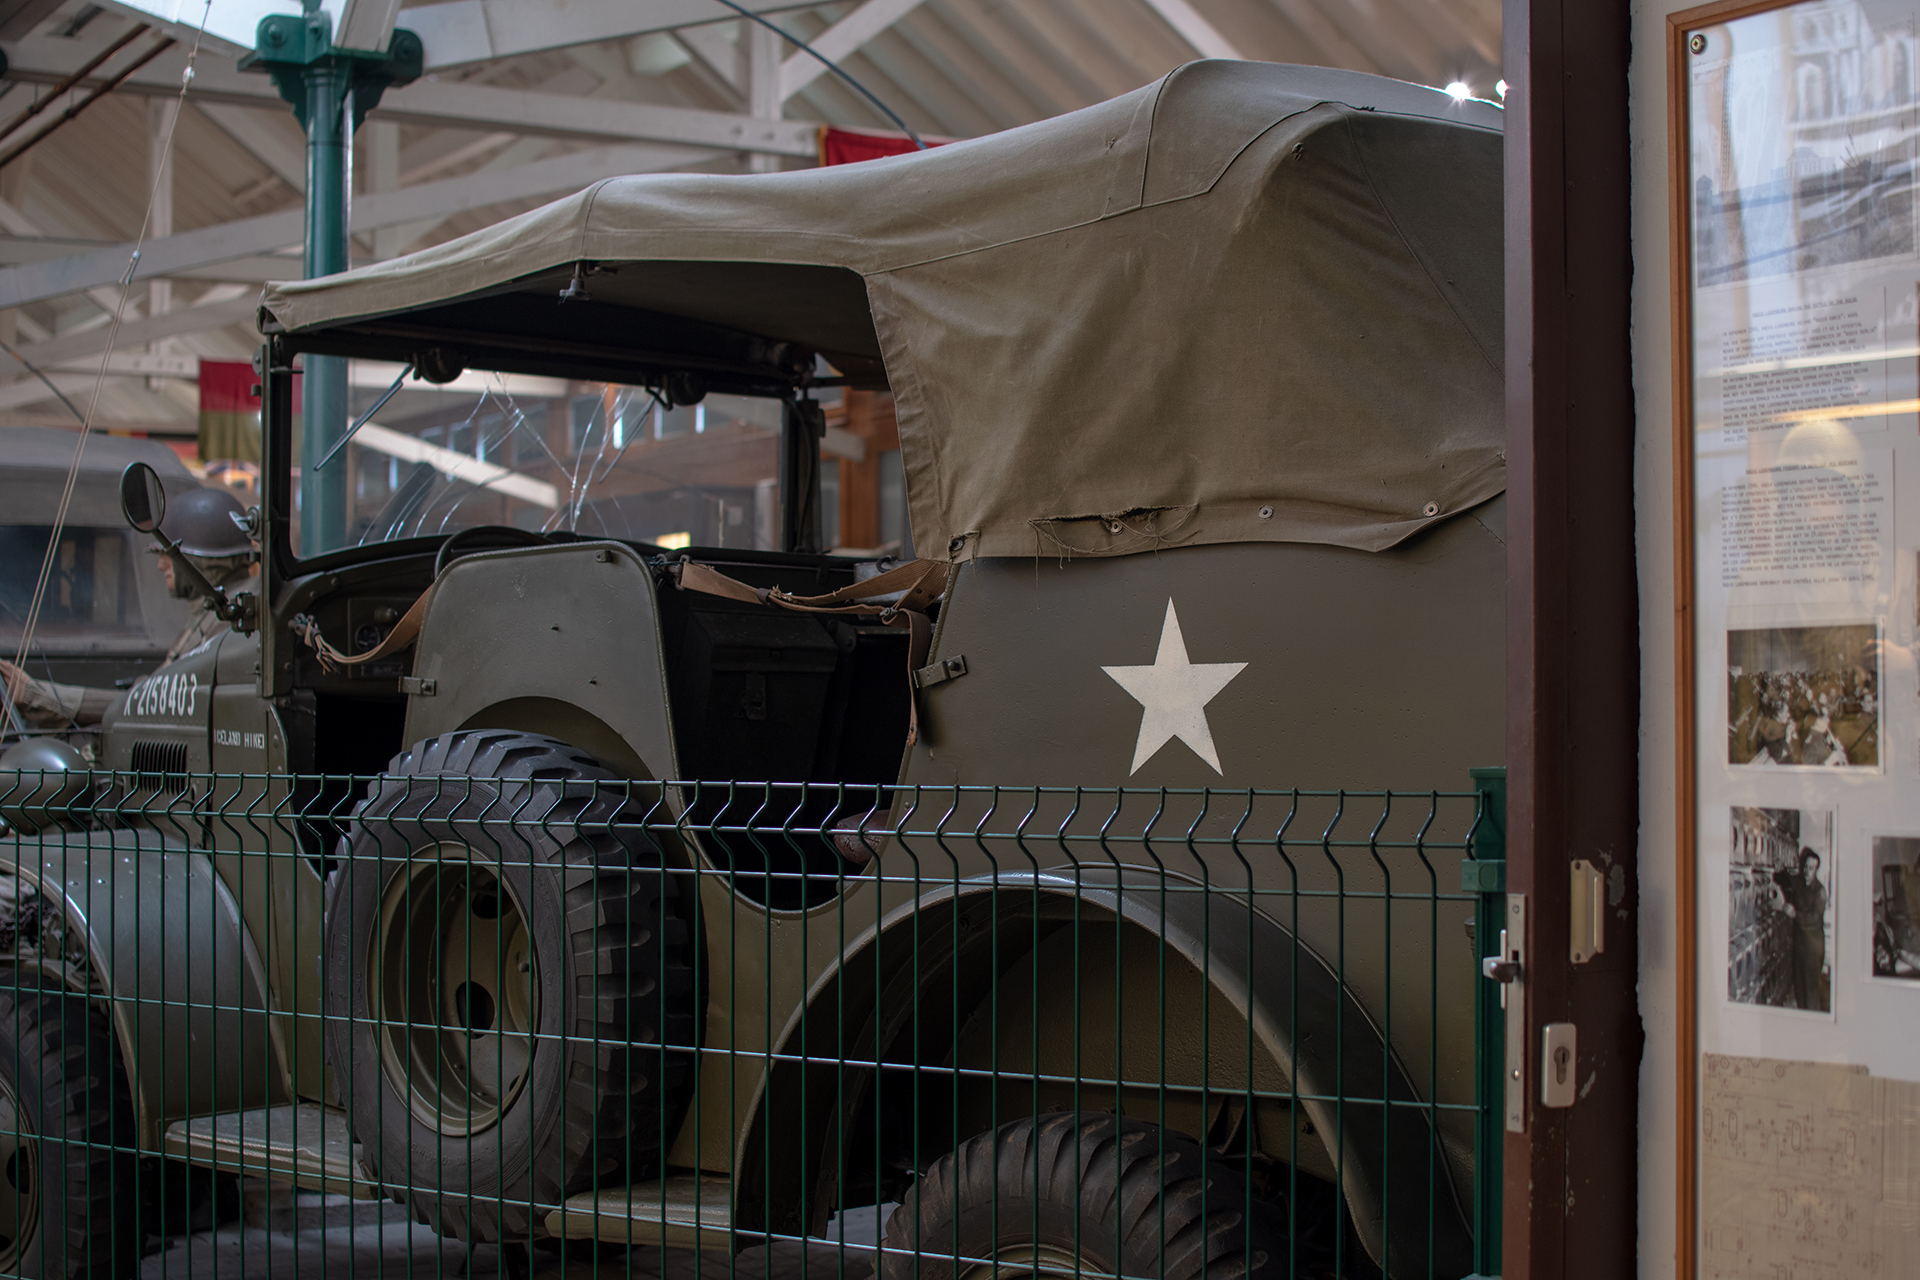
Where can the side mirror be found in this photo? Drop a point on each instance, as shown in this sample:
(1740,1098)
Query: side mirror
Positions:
(142,499)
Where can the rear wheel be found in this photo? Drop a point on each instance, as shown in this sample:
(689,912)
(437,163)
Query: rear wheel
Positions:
(66,1141)
(509,984)
(1080,1193)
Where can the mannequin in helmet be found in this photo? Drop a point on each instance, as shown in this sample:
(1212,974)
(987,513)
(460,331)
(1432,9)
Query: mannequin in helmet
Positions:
(209,526)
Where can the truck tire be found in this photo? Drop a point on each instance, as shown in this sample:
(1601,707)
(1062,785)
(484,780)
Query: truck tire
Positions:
(508,984)
(1072,1192)
(67,1184)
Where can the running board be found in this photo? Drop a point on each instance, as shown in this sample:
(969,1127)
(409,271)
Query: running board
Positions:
(307,1145)
(684,1213)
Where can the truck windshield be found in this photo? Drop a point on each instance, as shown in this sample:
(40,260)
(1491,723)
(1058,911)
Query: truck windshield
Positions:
(549,455)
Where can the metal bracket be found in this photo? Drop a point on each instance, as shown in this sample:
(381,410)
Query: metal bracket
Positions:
(940,672)
(1483,875)
(1587,930)
(418,688)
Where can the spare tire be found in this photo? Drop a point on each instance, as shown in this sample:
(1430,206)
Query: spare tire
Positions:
(1067,1193)
(508,983)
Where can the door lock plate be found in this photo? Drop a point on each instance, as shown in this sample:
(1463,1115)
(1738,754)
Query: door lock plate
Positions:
(1559,1065)
(1513,998)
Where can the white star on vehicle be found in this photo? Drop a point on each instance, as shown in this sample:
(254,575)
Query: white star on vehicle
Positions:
(1173,694)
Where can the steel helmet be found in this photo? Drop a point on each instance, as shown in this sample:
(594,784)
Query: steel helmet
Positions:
(51,784)
(202,522)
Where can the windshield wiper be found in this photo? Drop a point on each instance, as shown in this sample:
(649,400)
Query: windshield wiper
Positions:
(363,418)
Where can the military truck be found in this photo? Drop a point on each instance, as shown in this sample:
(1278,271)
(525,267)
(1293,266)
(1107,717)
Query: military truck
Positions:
(107,615)
(571,881)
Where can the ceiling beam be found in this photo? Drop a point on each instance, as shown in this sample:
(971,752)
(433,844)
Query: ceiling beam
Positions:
(285,158)
(452,34)
(255,270)
(107,298)
(1333,47)
(32,390)
(839,40)
(450,104)
(191,250)
(467,31)
(468,106)
(201,316)
(718,54)
(1194,29)
(134,364)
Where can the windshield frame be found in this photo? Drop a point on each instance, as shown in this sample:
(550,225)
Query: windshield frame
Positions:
(802,420)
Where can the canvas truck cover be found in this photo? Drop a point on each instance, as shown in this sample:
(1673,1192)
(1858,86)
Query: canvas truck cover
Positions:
(34,462)
(87,613)
(1247,302)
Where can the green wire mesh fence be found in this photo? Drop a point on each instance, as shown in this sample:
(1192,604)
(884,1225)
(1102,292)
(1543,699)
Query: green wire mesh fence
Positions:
(580,1023)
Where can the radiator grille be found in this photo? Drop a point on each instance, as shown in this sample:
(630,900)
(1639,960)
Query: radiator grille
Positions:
(160,766)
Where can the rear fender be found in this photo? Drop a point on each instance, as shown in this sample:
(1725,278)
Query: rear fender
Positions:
(146,927)
(931,962)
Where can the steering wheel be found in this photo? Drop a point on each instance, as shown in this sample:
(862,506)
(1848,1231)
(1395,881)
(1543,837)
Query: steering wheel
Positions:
(505,535)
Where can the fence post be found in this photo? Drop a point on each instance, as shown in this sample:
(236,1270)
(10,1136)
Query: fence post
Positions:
(1485,874)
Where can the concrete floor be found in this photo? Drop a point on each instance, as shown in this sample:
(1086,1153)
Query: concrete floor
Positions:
(284,1235)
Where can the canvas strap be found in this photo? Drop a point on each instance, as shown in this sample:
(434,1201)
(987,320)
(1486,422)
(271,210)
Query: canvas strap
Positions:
(403,634)
(923,582)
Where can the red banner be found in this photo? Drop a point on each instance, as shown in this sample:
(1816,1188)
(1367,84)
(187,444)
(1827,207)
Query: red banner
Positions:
(844,146)
(230,410)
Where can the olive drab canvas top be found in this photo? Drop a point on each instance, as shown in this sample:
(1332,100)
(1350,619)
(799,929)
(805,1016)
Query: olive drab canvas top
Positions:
(1247,302)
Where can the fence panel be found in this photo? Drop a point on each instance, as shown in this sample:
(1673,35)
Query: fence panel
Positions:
(574,1022)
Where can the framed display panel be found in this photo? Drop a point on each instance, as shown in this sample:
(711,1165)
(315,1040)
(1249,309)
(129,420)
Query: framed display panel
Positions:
(1795,229)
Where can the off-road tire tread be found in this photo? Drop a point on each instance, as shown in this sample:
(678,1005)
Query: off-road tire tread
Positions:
(1134,1198)
(623,948)
(89,1163)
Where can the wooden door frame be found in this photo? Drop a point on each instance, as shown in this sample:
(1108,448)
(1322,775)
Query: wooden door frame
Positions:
(1573,635)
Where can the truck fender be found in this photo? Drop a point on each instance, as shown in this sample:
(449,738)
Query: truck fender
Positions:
(1312,1026)
(146,926)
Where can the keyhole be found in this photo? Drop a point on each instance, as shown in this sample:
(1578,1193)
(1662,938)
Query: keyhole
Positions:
(1560,1060)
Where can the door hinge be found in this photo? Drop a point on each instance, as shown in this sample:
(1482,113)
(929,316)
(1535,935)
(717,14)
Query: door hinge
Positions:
(418,688)
(940,672)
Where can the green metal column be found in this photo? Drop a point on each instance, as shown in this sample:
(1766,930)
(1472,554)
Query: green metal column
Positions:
(323,493)
(331,90)
(1485,874)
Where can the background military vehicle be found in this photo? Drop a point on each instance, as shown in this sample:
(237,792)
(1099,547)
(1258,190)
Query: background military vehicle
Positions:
(107,615)
(1199,398)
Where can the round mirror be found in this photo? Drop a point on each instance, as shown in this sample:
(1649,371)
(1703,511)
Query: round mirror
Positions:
(142,501)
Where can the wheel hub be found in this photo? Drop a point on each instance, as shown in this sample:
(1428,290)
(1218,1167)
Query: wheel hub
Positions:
(453,990)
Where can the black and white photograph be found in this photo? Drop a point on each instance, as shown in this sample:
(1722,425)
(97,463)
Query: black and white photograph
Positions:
(1807,163)
(1896,907)
(1780,909)
(1804,697)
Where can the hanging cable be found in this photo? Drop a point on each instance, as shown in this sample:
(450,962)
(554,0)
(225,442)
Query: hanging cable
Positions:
(830,65)
(106,356)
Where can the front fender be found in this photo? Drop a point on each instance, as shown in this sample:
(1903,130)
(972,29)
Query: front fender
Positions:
(144,925)
(1389,1160)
